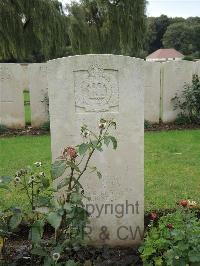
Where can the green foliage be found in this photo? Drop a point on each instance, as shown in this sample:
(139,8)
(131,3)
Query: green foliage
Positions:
(3,129)
(4,182)
(147,124)
(64,211)
(173,241)
(182,119)
(189,101)
(15,219)
(32,30)
(156,28)
(179,36)
(188,58)
(46,126)
(179,33)
(4,224)
(101,26)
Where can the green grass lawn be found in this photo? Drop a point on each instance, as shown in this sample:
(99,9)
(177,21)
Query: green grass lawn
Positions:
(172,165)
(18,152)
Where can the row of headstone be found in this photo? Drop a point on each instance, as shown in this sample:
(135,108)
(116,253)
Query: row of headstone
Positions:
(162,82)
(14,79)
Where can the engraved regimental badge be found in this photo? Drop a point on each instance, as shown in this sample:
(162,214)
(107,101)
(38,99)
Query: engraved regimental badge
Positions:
(96,90)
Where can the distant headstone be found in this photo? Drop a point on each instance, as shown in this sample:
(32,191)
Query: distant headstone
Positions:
(38,93)
(197,68)
(152,91)
(174,75)
(83,89)
(11,96)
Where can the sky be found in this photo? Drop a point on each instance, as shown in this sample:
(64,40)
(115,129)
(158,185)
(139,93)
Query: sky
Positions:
(171,8)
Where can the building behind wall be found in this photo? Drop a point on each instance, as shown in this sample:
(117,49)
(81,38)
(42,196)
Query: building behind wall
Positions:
(162,55)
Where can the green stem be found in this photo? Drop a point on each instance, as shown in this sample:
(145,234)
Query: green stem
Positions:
(87,162)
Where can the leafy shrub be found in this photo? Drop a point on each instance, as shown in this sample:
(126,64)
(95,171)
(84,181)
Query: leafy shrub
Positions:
(174,240)
(147,124)
(3,129)
(189,101)
(182,120)
(188,58)
(46,126)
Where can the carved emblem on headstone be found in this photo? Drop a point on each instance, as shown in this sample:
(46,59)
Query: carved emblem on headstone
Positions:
(96,89)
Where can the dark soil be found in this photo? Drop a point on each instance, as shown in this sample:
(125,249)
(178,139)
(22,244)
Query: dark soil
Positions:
(17,249)
(27,131)
(18,252)
(170,126)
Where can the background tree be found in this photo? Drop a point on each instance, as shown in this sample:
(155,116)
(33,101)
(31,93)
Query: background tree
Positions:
(179,33)
(32,30)
(104,26)
(178,36)
(156,28)
(183,36)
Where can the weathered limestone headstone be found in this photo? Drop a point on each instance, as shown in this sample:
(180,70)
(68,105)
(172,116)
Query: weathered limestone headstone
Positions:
(173,77)
(83,89)
(38,93)
(11,96)
(152,91)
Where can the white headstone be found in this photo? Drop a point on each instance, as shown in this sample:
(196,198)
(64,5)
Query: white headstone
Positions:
(83,89)
(38,93)
(152,91)
(197,68)
(173,77)
(11,96)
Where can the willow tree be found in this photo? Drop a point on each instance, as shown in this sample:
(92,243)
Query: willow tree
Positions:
(32,30)
(105,26)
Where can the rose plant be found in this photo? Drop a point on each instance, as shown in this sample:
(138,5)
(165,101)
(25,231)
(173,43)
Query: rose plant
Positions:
(174,239)
(64,210)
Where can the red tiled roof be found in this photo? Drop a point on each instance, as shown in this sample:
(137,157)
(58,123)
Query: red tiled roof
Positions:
(165,53)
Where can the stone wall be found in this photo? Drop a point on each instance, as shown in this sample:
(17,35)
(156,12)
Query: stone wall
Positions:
(11,96)
(38,94)
(83,89)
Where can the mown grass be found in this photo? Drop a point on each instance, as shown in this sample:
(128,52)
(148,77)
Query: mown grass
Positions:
(18,152)
(172,165)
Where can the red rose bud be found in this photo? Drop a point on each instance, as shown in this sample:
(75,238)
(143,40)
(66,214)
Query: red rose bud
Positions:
(71,152)
(170,226)
(153,216)
(184,203)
